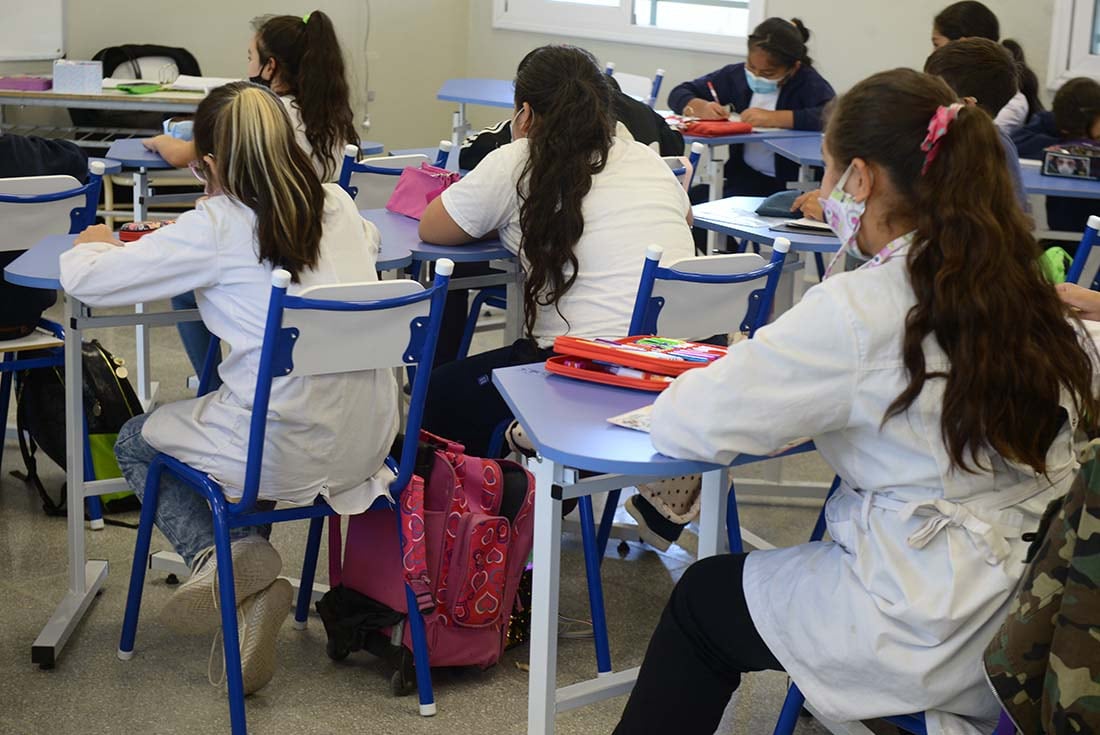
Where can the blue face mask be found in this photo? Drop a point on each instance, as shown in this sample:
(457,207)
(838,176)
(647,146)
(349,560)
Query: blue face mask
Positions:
(760,85)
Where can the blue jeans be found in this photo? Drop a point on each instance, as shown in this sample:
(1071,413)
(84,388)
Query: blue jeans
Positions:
(183,515)
(196,339)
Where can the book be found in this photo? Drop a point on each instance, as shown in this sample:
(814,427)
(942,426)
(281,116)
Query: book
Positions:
(638,420)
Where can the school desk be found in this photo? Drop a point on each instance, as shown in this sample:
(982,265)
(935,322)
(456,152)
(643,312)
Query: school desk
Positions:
(566,420)
(805,151)
(484,92)
(1057,186)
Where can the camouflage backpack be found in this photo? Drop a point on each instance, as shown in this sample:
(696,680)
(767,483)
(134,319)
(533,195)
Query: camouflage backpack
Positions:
(1044,663)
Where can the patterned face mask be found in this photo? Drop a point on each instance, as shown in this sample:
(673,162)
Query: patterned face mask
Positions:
(843,215)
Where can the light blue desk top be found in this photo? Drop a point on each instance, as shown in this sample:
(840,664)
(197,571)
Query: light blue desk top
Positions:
(132,154)
(757,137)
(40,266)
(736,216)
(1035,183)
(371,147)
(805,151)
(402,231)
(566,420)
(488,92)
(110,166)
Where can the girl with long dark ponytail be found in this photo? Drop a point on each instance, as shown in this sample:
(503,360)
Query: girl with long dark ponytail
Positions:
(579,201)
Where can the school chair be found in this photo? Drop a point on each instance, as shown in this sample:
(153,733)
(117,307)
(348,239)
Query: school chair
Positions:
(32,207)
(640,88)
(694,297)
(380,190)
(684,167)
(1081,257)
(306,335)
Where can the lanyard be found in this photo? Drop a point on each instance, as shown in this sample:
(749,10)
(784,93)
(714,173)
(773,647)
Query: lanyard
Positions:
(891,249)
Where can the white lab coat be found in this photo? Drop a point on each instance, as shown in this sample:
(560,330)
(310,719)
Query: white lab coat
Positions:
(892,615)
(326,435)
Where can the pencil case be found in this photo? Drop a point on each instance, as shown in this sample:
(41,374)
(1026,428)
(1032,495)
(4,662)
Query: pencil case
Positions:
(715,128)
(643,363)
(135,230)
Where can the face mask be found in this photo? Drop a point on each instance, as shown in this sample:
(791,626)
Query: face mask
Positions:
(259,79)
(843,214)
(760,85)
(512,126)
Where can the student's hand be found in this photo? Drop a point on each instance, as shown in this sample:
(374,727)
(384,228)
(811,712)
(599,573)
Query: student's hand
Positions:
(155,143)
(706,110)
(768,118)
(810,206)
(1084,302)
(97,233)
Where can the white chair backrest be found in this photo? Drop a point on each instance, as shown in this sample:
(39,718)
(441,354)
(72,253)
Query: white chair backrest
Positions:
(331,342)
(376,189)
(700,310)
(26,224)
(677,162)
(635,85)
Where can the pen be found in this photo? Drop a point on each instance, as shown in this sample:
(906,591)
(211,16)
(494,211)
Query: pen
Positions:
(713,93)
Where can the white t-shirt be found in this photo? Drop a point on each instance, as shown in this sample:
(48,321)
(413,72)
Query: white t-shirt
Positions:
(634,202)
(304,144)
(758,155)
(1013,115)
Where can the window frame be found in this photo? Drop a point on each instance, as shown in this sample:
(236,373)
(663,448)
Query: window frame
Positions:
(615,24)
(1072,24)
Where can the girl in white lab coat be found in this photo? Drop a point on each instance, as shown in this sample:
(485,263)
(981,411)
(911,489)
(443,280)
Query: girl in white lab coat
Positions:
(326,435)
(943,381)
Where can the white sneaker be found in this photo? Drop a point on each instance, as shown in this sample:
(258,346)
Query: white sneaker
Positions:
(259,619)
(194,608)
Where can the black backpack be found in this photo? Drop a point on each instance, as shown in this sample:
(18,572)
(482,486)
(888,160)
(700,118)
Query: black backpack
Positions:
(127,55)
(109,402)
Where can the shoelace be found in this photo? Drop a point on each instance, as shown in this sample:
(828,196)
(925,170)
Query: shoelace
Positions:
(242,634)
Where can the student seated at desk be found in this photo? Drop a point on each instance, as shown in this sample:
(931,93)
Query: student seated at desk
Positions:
(29,155)
(327,435)
(578,204)
(946,400)
(299,58)
(972,19)
(1075,117)
(776,87)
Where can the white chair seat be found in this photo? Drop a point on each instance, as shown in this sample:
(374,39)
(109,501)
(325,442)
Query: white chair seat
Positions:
(36,340)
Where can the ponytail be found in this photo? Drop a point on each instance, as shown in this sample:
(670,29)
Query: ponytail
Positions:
(568,142)
(974,272)
(1027,79)
(311,66)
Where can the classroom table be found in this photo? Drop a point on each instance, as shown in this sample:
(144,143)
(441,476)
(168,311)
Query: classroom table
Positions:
(805,151)
(566,420)
(1056,186)
(371,147)
(39,267)
(484,92)
(718,157)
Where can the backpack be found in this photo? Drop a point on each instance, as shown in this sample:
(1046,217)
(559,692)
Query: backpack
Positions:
(468,528)
(109,402)
(128,56)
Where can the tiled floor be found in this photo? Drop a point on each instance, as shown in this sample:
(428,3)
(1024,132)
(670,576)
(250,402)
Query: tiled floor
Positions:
(164,688)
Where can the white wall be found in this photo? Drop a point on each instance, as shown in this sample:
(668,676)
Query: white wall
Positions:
(851,40)
(414,46)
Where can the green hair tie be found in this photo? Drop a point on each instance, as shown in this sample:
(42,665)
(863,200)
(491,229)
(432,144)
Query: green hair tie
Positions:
(305,18)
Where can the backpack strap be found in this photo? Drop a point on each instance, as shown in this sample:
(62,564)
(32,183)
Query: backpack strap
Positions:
(27,448)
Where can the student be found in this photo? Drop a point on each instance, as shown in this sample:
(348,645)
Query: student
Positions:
(578,204)
(326,435)
(776,87)
(29,155)
(971,19)
(947,400)
(982,70)
(300,59)
(1075,117)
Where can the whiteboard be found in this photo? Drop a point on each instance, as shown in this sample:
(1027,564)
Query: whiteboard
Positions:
(31,29)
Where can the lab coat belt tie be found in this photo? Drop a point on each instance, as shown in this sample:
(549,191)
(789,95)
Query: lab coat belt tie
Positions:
(943,513)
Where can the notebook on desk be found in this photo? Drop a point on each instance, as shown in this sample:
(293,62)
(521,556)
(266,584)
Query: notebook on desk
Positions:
(804,226)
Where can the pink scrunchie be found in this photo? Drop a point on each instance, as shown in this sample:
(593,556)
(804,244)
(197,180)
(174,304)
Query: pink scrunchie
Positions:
(937,128)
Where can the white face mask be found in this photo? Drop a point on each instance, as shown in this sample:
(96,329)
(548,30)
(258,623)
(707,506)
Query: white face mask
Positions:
(844,215)
(512,125)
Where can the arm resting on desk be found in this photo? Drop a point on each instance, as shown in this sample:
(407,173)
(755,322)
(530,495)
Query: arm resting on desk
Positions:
(795,378)
(176,152)
(437,227)
(484,200)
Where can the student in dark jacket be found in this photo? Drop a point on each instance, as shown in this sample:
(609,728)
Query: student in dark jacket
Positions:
(776,87)
(21,307)
(1075,118)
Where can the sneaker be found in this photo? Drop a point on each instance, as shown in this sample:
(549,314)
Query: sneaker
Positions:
(194,608)
(655,529)
(259,619)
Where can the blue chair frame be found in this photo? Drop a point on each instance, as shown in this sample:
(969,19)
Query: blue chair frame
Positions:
(1088,242)
(276,359)
(644,320)
(352,165)
(80,218)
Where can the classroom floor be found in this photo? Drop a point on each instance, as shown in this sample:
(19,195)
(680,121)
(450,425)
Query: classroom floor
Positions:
(164,688)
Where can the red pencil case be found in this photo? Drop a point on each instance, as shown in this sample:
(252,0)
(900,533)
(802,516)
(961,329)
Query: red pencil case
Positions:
(645,362)
(134,230)
(715,128)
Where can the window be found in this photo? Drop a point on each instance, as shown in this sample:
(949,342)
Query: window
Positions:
(1074,42)
(701,25)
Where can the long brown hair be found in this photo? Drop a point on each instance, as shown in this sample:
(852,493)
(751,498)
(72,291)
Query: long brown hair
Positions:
(568,143)
(245,129)
(974,271)
(311,65)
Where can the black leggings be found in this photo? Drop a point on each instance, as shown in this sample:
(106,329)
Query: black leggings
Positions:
(703,643)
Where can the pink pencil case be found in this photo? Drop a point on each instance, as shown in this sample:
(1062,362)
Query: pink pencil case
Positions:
(26,84)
